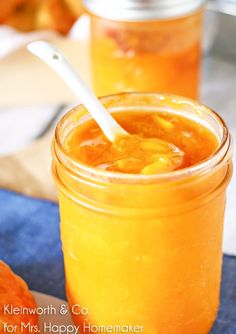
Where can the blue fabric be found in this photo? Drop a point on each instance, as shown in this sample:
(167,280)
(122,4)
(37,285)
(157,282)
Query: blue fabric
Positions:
(30,241)
(226,322)
(30,244)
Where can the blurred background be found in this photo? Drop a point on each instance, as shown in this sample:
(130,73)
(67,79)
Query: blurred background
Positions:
(112,56)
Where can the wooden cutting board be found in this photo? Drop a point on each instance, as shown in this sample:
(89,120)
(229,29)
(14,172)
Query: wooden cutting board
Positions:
(29,171)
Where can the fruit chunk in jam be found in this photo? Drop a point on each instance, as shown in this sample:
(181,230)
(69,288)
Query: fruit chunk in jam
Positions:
(158,143)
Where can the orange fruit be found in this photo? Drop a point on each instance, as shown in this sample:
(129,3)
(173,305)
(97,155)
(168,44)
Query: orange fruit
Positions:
(14,292)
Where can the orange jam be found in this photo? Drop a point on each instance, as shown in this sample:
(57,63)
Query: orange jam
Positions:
(159,143)
(156,55)
(142,218)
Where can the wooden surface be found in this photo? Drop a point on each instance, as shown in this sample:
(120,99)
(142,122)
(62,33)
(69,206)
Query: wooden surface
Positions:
(25,80)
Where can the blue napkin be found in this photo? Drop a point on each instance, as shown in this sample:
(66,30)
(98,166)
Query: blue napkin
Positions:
(30,244)
(30,241)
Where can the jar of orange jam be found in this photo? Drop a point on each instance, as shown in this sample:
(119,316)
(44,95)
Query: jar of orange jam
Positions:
(142,244)
(146,46)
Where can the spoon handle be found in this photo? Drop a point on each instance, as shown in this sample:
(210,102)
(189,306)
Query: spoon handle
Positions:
(56,60)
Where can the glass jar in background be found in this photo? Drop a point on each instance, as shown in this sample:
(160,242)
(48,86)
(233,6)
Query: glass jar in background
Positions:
(150,45)
(144,251)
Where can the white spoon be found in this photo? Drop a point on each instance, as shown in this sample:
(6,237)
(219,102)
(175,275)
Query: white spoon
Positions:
(56,60)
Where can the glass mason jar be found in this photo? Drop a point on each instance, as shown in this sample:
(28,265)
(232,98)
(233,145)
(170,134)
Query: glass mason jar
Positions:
(143,250)
(152,45)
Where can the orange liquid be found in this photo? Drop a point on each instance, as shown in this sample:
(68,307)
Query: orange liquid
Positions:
(160,56)
(143,255)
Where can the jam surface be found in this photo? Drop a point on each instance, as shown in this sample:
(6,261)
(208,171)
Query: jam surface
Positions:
(158,143)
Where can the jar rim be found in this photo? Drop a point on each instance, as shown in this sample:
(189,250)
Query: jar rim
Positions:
(81,169)
(138,10)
